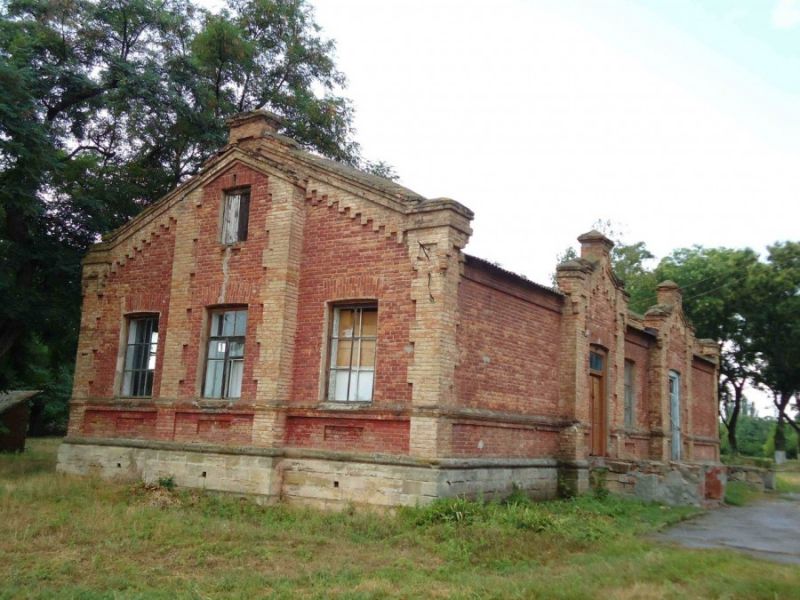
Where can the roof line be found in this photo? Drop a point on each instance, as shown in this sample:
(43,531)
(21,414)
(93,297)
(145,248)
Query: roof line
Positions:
(521,279)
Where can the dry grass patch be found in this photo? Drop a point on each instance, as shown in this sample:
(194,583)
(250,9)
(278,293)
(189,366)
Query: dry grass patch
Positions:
(68,537)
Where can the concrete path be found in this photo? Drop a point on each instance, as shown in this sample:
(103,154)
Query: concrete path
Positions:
(768,529)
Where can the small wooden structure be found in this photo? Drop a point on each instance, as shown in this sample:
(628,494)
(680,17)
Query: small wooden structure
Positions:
(14,417)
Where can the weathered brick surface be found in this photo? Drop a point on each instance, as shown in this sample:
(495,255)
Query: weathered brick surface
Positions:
(222,428)
(105,422)
(473,363)
(219,275)
(138,282)
(503,440)
(703,401)
(637,349)
(356,435)
(508,345)
(344,260)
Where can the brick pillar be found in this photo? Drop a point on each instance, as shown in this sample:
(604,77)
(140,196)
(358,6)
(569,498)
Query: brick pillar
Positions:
(96,267)
(276,332)
(439,231)
(573,279)
(180,334)
(710,349)
(686,405)
(617,374)
(658,400)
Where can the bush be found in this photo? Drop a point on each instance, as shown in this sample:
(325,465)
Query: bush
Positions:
(168,483)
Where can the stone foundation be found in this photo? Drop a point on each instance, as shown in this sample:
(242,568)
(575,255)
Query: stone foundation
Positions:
(309,477)
(675,484)
(198,467)
(760,479)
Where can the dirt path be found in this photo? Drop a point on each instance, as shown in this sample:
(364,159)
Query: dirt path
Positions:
(768,529)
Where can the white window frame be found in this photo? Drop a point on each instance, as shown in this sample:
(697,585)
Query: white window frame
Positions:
(355,390)
(629,398)
(674,393)
(141,351)
(225,348)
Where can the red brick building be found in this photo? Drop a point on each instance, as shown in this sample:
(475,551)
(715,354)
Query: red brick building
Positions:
(286,326)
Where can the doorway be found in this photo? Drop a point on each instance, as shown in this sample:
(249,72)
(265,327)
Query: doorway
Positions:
(599,408)
(675,413)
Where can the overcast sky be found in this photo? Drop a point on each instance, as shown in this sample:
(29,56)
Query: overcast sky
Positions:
(679,121)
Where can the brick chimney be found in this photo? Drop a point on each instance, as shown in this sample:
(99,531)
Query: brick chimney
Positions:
(253,124)
(595,246)
(669,293)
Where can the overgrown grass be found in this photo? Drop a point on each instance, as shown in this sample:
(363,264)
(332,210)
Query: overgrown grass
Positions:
(739,493)
(787,482)
(67,537)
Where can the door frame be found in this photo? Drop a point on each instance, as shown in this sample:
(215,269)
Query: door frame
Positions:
(674,393)
(599,432)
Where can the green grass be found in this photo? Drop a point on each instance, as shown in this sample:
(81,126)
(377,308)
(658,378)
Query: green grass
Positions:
(739,493)
(787,482)
(69,537)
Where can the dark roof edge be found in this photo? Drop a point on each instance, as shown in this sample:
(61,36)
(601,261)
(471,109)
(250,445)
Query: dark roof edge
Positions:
(520,279)
(12,398)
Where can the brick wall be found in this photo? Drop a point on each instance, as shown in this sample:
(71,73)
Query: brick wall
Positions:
(137,283)
(637,349)
(224,275)
(342,261)
(498,368)
(141,281)
(508,345)
(384,435)
(703,401)
(499,440)
(224,427)
(110,422)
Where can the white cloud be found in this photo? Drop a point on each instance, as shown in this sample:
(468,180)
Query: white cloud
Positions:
(786,14)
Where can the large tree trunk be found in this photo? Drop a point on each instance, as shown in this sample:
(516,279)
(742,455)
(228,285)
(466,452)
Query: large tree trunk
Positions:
(782,405)
(738,394)
(780,436)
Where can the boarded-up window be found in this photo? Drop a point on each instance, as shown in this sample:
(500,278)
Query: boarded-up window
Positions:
(235,216)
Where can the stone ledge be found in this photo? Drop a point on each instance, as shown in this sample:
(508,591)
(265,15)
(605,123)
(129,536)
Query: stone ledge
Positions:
(305,477)
(308,453)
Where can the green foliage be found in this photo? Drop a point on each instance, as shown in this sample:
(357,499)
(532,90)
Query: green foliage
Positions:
(104,107)
(167,482)
(630,263)
(192,544)
(775,327)
(751,433)
(791,443)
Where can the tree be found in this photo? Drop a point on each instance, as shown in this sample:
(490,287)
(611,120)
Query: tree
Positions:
(716,298)
(776,329)
(105,105)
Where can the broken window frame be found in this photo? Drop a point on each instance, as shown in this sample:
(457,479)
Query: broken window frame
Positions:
(139,362)
(225,384)
(353,370)
(235,216)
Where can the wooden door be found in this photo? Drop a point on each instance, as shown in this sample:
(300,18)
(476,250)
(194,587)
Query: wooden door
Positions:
(599,415)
